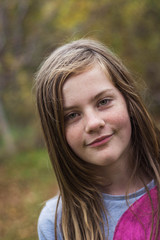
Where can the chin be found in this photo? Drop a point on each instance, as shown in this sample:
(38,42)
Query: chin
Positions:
(103,163)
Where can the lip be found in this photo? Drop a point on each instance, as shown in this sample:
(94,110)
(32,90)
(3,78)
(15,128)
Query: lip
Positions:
(100,141)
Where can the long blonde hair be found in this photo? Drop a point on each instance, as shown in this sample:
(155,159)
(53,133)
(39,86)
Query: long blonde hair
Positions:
(83,212)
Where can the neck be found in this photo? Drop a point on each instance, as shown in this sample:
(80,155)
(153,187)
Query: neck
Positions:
(117,182)
(117,179)
(122,184)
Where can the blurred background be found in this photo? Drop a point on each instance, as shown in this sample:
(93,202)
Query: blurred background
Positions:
(29,31)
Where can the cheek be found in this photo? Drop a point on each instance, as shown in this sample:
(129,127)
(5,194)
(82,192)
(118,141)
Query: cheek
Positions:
(125,126)
(73,136)
(68,135)
(121,121)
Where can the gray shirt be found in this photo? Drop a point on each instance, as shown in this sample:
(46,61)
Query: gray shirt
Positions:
(115,205)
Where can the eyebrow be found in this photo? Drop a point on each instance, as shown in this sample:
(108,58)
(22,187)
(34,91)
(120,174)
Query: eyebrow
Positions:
(106,91)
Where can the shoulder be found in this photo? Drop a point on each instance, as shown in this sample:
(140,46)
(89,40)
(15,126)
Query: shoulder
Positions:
(46,220)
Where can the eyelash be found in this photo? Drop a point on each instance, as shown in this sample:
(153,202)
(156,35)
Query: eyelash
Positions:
(70,116)
(101,102)
(73,115)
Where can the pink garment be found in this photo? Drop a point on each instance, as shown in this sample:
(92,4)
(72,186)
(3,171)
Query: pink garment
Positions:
(136,222)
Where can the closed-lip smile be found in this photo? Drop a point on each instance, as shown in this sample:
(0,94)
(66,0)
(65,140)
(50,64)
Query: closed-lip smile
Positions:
(100,141)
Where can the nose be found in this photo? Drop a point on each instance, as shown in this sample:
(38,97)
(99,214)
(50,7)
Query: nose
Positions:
(94,122)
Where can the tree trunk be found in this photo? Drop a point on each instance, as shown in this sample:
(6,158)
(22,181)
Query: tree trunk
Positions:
(6,133)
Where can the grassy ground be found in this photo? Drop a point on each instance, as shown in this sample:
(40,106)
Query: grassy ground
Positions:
(26,181)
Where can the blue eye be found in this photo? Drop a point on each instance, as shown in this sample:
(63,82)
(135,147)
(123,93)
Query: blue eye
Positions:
(71,116)
(103,102)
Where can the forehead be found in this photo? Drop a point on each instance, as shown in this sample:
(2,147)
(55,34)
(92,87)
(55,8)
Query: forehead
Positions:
(87,74)
(87,85)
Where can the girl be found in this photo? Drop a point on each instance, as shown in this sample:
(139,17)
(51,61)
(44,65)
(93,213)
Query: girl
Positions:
(104,147)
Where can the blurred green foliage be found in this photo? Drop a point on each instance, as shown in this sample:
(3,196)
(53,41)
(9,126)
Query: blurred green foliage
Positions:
(30,30)
(26,180)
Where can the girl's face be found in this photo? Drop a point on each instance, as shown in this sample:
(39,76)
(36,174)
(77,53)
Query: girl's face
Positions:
(97,124)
